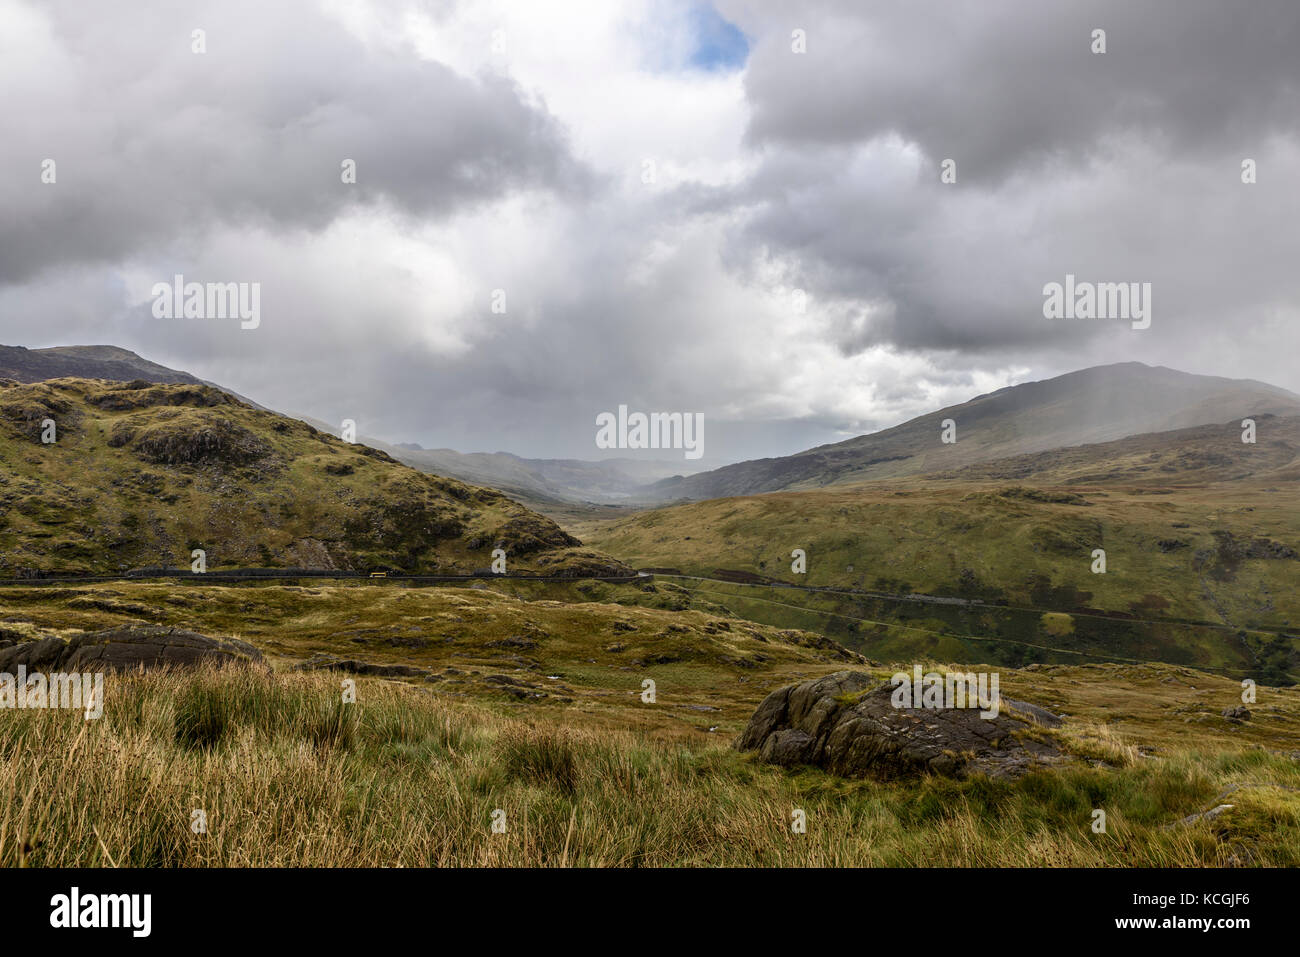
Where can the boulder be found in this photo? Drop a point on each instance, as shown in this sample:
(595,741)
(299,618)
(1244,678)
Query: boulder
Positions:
(127,648)
(846,723)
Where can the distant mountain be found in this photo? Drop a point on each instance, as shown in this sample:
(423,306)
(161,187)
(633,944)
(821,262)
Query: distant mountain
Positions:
(1099,404)
(140,474)
(93,362)
(84,362)
(539,481)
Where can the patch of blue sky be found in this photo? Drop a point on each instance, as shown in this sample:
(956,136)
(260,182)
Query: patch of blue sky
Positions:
(719,43)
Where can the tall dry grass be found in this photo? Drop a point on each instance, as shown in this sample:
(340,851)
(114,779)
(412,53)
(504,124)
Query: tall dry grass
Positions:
(288,775)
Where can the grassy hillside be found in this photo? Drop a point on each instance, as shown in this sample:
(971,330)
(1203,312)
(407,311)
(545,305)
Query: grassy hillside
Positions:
(527,697)
(143,473)
(581,657)
(1224,554)
(534,707)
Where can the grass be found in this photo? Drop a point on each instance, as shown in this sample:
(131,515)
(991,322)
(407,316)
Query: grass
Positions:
(527,697)
(584,658)
(583,661)
(289,776)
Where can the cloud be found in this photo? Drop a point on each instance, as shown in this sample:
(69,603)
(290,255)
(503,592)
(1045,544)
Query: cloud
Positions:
(155,143)
(683,214)
(1006,84)
(1122,166)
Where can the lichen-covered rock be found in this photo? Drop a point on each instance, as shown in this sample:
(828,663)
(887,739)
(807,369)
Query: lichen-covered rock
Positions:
(847,724)
(128,648)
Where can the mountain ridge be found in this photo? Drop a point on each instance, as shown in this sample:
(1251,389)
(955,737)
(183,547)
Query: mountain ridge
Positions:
(1087,406)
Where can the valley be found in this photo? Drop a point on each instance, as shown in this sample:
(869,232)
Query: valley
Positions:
(568,684)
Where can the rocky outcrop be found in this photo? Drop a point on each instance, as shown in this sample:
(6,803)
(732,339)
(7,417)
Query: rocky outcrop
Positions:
(352,666)
(128,648)
(846,723)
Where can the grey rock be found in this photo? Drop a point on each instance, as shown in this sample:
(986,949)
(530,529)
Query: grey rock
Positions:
(1209,815)
(127,648)
(846,723)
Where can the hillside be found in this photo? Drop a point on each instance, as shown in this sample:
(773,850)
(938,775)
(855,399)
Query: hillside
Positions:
(1227,555)
(539,482)
(1094,405)
(588,651)
(142,473)
(1197,455)
(93,362)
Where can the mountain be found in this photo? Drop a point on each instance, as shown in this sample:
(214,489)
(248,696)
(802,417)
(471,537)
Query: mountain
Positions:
(1198,455)
(141,474)
(1099,404)
(93,362)
(84,362)
(540,482)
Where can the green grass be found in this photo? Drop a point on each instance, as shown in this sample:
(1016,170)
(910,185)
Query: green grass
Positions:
(289,776)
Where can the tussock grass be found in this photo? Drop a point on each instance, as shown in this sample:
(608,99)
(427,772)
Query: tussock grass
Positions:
(1099,742)
(290,776)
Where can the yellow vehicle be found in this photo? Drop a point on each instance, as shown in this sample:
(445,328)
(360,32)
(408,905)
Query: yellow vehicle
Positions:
(379,574)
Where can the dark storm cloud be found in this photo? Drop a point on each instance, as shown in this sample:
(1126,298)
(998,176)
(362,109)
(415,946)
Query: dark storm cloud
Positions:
(1122,166)
(153,141)
(1003,83)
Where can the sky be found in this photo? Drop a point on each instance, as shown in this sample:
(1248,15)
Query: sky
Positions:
(735,209)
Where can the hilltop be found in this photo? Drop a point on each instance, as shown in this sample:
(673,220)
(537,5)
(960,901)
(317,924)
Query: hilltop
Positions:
(86,362)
